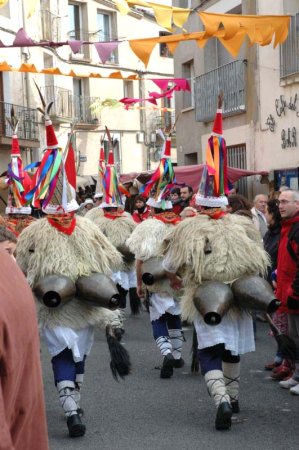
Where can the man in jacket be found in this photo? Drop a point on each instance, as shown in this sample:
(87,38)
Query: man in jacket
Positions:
(258,213)
(288,274)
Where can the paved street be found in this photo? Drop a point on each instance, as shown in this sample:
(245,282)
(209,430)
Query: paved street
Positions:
(145,412)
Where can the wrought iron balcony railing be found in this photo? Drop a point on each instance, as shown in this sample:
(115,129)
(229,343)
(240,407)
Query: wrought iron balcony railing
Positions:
(165,121)
(74,108)
(50,26)
(230,79)
(28,121)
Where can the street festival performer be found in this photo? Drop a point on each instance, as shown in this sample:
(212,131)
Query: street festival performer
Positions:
(67,261)
(217,258)
(118,225)
(96,211)
(17,212)
(146,242)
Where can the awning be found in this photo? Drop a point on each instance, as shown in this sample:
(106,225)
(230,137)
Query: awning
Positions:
(191,175)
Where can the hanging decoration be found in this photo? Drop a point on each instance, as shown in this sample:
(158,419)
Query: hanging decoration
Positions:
(230,29)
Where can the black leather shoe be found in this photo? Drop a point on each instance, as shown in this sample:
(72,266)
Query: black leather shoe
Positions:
(235,406)
(167,368)
(75,426)
(178,363)
(80,411)
(223,417)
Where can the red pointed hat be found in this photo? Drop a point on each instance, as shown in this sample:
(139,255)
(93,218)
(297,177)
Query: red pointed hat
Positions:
(50,135)
(110,158)
(217,128)
(167,148)
(15,148)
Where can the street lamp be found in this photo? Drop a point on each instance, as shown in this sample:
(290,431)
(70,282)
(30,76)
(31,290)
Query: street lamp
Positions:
(149,142)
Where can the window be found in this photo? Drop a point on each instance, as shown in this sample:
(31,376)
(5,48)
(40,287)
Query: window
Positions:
(236,157)
(289,50)
(74,22)
(106,31)
(164,52)
(188,73)
(128,89)
(77,25)
(190,159)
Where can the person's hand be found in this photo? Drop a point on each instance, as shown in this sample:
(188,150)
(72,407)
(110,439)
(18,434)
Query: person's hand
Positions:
(140,291)
(175,282)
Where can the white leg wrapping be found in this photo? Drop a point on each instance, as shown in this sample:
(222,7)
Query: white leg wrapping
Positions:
(66,391)
(78,387)
(164,345)
(176,338)
(231,372)
(216,386)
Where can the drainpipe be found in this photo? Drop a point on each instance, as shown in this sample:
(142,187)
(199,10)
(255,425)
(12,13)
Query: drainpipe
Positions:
(25,55)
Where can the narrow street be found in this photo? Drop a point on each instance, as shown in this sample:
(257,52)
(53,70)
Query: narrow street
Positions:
(145,412)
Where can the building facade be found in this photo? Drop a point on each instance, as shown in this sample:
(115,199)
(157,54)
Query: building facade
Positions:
(261,104)
(79,102)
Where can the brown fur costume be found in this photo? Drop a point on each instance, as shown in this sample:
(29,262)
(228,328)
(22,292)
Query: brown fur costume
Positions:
(42,250)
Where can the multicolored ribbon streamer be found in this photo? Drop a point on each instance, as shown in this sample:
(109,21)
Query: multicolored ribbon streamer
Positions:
(45,178)
(15,177)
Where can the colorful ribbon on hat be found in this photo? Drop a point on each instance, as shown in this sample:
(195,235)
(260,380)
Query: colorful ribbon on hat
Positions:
(162,179)
(113,189)
(45,178)
(216,160)
(15,177)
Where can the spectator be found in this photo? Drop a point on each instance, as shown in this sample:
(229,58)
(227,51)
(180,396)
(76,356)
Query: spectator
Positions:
(8,241)
(98,198)
(239,204)
(288,276)
(22,410)
(175,197)
(258,213)
(271,243)
(186,195)
(85,207)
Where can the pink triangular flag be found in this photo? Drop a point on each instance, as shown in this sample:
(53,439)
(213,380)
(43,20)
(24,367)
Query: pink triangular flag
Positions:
(75,45)
(22,39)
(105,49)
(162,83)
(182,84)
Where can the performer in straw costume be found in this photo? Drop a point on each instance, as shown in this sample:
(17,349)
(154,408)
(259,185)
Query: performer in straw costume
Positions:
(219,250)
(117,226)
(146,242)
(67,261)
(17,213)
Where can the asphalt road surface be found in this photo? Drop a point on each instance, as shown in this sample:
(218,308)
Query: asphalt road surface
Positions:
(144,412)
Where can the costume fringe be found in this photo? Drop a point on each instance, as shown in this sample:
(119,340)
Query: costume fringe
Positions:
(42,250)
(118,230)
(94,213)
(236,249)
(146,241)
(77,314)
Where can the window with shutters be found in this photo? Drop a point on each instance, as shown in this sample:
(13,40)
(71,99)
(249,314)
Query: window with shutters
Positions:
(289,50)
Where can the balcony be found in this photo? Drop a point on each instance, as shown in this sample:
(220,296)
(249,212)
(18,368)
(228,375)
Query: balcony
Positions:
(50,26)
(27,129)
(71,108)
(289,51)
(229,78)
